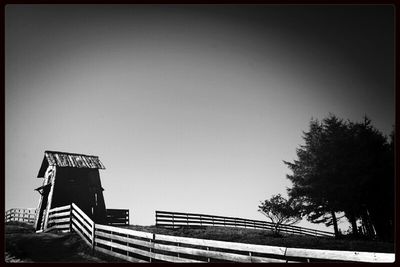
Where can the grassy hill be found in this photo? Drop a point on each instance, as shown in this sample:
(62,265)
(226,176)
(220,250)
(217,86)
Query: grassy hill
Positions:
(22,244)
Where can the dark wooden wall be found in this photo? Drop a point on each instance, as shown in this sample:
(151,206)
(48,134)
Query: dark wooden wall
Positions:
(80,186)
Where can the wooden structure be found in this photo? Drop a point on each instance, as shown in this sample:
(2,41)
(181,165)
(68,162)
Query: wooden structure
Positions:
(70,178)
(118,217)
(21,215)
(179,219)
(139,246)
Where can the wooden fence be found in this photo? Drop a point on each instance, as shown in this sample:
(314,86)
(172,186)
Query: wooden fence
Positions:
(117,217)
(179,219)
(138,246)
(20,215)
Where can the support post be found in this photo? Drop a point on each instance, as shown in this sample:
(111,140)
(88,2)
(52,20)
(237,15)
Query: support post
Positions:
(151,245)
(93,236)
(284,255)
(52,180)
(70,218)
(127,244)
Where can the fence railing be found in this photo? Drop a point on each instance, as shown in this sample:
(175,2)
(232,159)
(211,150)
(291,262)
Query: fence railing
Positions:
(178,219)
(138,246)
(26,215)
(117,217)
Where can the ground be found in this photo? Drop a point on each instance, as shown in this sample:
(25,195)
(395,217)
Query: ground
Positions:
(22,244)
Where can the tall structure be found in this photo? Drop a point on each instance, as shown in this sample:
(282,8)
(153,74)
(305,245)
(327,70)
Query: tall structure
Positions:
(70,178)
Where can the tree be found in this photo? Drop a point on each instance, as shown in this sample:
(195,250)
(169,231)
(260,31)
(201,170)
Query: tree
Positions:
(280,211)
(315,167)
(344,166)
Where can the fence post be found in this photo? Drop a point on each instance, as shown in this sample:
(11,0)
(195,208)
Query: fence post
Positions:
(127,244)
(111,234)
(208,259)
(152,243)
(70,218)
(128,216)
(173,221)
(93,236)
(284,255)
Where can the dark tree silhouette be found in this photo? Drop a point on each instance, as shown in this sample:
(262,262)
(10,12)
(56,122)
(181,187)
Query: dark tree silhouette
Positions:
(345,166)
(315,167)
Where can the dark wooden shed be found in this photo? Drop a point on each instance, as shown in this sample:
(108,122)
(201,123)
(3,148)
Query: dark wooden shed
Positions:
(70,178)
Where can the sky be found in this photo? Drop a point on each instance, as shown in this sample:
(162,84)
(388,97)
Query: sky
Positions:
(190,108)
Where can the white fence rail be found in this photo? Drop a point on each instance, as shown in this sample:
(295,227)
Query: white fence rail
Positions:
(179,219)
(138,246)
(20,215)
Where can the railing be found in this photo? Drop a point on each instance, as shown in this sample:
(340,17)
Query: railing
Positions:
(178,219)
(138,246)
(117,217)
(59,218)
(20,215)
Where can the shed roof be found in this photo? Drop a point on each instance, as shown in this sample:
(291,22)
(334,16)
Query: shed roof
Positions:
(65,159)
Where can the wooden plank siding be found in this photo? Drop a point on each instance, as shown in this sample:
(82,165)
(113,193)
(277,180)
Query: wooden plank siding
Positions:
(178,219)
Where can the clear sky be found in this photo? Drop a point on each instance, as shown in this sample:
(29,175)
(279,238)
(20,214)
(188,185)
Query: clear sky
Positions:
(190,108)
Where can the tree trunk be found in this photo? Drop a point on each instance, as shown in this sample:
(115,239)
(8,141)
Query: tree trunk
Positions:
(353,222)
(335,226)
(369,224)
